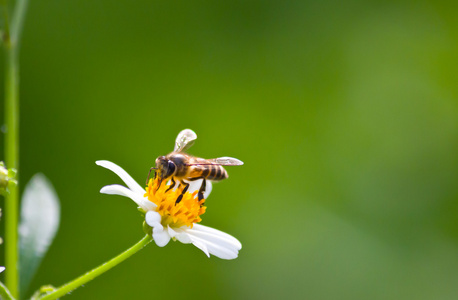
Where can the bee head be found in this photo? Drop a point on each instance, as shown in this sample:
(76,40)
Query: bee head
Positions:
(165,167)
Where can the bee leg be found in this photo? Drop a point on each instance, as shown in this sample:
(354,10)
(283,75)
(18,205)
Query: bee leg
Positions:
(200,194)
(159,185)
(182,192)
(171,186)
(149,173)
(202,189)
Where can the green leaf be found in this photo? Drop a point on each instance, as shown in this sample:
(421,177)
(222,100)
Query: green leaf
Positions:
(40,216)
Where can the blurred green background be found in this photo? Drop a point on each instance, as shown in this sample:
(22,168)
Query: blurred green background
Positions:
(345,114)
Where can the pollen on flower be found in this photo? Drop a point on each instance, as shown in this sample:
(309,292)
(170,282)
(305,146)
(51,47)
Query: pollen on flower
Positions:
(186,212)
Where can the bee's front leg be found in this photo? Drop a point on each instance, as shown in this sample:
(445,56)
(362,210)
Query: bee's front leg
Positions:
(149,173)
(183,191)
(171,186)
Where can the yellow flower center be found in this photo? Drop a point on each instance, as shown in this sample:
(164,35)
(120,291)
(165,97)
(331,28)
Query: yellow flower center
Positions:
(185,212)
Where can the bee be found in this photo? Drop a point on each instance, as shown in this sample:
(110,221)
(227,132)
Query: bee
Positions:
(182,167)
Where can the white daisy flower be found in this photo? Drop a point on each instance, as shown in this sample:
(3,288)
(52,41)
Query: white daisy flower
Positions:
(171,220)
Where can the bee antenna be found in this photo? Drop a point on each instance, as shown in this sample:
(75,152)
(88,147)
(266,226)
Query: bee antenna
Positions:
(149,173)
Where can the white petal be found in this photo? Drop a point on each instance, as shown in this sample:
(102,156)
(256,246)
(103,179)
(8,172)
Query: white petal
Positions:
(116,189)
(161,237)
(148,205)
(171,232)
(221,240)
(216,232)
(2,269)
(217,250)
(202,247)
(208,189)
(184,238)
(211,241)
(128,180)
(195,186)
(153,219)
(180,234)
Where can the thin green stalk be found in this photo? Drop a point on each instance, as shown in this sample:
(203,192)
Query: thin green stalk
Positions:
(11,43)
(72,285)
(12,161)
(18,21)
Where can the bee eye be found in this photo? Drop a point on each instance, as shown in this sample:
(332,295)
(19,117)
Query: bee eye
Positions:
(171,168)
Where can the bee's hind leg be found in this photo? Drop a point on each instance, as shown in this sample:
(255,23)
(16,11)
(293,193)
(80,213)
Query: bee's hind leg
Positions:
(202,189)
(182,192)
(201,192)
(171,186)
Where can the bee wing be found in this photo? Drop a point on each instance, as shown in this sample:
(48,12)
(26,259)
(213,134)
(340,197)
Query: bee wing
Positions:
(185,140)
(225,161)
(221,161)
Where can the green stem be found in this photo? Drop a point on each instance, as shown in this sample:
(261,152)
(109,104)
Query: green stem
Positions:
(12,161)
(4,293)
(18,21)
(68,287)
(11,43)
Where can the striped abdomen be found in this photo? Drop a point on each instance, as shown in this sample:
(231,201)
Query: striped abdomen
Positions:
(210,172)
(215,172)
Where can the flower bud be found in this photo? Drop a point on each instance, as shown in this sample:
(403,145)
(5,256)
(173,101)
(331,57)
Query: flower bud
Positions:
(6,178)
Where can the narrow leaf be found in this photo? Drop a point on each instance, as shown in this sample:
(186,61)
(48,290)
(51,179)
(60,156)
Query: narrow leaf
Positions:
(40,216)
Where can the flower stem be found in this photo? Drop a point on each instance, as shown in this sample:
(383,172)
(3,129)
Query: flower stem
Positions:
(10,41)
(70,286)
(11,160)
